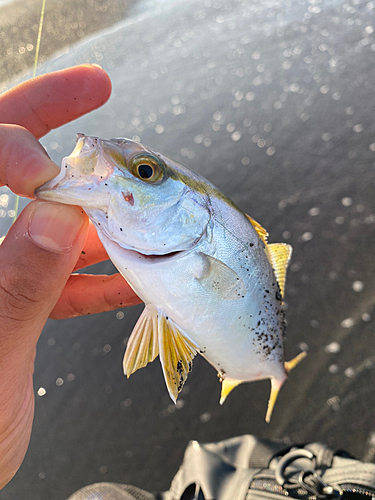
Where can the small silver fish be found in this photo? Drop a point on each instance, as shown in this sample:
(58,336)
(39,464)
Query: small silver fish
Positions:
(210,282)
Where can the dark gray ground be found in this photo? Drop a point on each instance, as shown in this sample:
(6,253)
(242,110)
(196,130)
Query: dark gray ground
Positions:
(273,101)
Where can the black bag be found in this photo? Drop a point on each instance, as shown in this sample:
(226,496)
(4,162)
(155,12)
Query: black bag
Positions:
(247,468)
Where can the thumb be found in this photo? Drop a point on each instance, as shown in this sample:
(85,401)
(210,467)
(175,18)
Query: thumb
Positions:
(36,259)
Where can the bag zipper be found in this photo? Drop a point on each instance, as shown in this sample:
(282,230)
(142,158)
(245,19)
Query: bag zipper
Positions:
(268,484)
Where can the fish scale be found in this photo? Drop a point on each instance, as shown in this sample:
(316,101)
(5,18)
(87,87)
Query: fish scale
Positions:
(210,281)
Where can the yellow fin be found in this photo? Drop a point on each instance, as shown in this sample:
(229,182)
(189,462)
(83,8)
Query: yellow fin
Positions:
(289,365)
(227,386)
(143,346)
(275,389)
(176,355)
(262,233)
(279,256)
(217,277)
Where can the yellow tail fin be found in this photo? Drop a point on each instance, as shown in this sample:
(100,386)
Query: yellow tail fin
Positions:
(276,384)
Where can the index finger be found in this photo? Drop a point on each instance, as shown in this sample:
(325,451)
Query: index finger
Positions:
(51,100)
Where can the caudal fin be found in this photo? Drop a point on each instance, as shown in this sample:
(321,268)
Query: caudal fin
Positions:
(277,384)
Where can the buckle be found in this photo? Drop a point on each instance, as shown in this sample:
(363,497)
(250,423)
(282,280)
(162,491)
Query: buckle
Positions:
(308,479)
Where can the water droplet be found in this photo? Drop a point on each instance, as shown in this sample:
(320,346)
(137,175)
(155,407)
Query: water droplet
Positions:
(236,136)
(349,372)
(307,236)
(366,317)
(347,323)
(120,315)
(314,211)
(205,417)
(41,391)
(245,160)
(333,348)
(358,128)
(59,382)
(333,368)
(347,202)
(358,286)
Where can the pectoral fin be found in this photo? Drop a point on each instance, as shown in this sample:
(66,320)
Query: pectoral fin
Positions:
(143,346)
(176,355)
(218,278)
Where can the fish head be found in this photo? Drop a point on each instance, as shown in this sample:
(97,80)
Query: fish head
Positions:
(138,198)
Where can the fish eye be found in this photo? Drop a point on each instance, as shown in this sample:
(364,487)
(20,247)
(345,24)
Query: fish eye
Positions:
(147,168)
(145,171)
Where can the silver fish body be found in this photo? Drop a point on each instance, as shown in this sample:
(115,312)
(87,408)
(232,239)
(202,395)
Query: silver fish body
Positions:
(209,280)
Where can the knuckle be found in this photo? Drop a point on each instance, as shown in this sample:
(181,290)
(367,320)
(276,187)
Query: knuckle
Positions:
(20,294)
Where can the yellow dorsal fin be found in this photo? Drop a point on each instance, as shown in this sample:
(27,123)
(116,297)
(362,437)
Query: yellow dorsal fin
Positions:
(143,346)
(176,355)
(262,233)
(279,256)
(275,389)
(227,386)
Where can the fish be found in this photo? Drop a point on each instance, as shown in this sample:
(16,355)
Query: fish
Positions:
(210,281)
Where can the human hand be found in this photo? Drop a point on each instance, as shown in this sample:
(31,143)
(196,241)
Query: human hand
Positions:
(45,244)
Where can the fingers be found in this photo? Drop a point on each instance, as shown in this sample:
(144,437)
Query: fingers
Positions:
(36,259)
(93,251)
(49,101)
(24,164)
(31,109)
(90,294)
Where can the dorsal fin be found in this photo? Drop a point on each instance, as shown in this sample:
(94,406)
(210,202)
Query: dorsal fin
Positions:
(143,345)
(176,355)
(279,256)
(262,233)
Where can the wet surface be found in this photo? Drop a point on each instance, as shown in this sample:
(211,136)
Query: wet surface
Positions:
(273,102)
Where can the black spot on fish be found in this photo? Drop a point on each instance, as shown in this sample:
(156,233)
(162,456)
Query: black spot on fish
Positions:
(251,244)
(278,296)
(84,253)
(120,228)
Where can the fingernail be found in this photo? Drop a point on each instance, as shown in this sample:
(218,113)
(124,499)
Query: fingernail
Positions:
(54,227)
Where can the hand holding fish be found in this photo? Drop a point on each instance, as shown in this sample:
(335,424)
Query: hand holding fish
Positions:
(44,245)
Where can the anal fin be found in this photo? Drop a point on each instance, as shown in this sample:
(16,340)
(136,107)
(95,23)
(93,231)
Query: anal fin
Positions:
(143,346)
(176,355)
